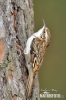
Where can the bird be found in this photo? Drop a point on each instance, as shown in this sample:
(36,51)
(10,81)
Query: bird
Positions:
(34,51)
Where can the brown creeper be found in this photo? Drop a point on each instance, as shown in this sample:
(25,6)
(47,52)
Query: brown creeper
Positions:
(34,53)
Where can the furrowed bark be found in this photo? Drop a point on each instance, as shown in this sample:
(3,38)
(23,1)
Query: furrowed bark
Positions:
(16,25)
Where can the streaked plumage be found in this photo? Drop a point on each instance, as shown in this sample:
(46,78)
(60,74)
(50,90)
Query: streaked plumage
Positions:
(34,53)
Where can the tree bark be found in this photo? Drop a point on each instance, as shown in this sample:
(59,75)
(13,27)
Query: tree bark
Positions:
(16,25)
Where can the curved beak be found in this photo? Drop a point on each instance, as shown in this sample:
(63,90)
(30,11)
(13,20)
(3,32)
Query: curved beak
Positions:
(44,24)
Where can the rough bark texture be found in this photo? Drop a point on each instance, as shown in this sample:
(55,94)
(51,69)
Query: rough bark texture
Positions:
(16,25)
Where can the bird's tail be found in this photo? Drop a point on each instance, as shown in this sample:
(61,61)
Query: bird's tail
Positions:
(29,83)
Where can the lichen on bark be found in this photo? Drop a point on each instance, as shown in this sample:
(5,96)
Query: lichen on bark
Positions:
(16,25)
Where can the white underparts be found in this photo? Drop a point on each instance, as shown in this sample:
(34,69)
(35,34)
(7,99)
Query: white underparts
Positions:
(29,41)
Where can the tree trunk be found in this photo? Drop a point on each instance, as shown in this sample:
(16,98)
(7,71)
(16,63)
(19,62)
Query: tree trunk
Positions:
(16,25)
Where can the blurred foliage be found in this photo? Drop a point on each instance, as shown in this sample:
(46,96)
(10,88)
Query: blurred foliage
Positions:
(52,74)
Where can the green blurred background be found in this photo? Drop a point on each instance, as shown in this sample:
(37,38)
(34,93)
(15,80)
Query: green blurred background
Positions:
(52,74)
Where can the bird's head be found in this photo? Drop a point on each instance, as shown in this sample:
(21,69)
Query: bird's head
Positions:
(46,34)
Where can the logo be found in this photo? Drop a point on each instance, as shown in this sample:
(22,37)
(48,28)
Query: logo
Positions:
(51,93)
